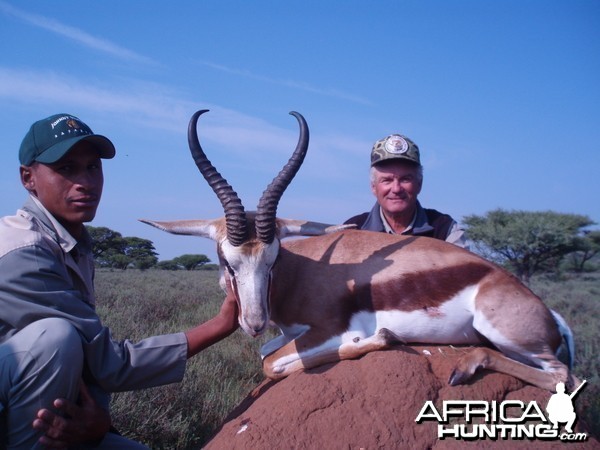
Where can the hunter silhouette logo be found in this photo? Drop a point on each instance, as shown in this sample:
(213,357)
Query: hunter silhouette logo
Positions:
(509,419)
(560,407)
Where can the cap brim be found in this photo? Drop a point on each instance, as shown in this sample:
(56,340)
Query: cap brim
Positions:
(396,158)
(105,148)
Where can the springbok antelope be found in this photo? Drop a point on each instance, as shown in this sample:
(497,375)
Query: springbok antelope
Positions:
(344,293)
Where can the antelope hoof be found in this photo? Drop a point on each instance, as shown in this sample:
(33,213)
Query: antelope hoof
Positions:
(458,377)
(468,364)
(388,337)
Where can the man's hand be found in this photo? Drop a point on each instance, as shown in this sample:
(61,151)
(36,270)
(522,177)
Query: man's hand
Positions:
(80,422)
(229,312)
(215,329)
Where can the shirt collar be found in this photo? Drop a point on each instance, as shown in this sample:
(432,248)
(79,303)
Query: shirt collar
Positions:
(389,229)
(63,237)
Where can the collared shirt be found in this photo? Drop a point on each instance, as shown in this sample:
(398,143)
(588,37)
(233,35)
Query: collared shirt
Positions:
(80,251)
(45,272)
(388,228)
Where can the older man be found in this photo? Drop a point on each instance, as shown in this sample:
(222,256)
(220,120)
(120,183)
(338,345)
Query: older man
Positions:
(396,181)
(58,363)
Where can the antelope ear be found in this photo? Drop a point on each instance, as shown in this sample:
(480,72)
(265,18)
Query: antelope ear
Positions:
(290,227)
(210,229)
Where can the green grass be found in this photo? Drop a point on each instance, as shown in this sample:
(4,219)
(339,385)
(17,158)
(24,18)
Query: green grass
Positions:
(138,304)
(577,299)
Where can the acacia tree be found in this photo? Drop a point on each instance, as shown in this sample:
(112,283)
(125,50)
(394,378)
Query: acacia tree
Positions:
(587,246)
(107,244)
(111,249)
(527,242)
(141,252)
(191,262)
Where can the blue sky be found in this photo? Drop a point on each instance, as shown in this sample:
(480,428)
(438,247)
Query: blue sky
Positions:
(502,97)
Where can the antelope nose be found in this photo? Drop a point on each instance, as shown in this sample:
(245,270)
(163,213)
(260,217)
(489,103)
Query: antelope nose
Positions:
(257,328)
(253,328)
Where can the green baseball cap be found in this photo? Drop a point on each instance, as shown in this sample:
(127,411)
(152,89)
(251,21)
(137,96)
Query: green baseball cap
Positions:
(51,138)
(395,146)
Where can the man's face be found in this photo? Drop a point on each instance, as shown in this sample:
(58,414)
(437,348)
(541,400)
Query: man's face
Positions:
(70,189)
(396,185)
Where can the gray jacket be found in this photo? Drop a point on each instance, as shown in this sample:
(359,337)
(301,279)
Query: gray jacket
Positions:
(45,272)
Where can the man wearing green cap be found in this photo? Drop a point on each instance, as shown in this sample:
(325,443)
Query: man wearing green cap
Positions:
(396,181)
(58,363)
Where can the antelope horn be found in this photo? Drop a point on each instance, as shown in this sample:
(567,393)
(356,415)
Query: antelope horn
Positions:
(235,216)
(266,211)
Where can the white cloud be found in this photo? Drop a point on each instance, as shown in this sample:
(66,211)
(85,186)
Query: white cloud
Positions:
(79,36)
(140,100)
(149,105)
(289,83)
(152,106)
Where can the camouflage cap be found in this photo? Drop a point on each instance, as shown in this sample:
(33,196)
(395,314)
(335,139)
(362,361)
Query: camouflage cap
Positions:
(395,146)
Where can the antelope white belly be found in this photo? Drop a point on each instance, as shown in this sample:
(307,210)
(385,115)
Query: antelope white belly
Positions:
(450,323)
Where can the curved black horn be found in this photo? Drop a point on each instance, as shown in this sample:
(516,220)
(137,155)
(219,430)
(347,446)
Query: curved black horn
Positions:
(266,211)
(235,216)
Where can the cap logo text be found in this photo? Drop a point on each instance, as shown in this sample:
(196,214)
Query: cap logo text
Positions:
(59,120)
(73,126)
